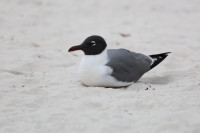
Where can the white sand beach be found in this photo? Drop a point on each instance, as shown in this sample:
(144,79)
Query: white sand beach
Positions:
(39,87)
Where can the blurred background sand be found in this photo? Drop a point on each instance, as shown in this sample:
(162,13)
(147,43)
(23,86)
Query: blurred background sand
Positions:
(39,87)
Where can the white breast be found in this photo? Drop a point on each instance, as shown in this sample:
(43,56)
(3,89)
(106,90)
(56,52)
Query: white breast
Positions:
(94,72)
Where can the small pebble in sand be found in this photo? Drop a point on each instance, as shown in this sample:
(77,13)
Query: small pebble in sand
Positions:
(125,35)
(117,43)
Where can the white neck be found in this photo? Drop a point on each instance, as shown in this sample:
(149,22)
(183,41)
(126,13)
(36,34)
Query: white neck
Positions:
(101,58)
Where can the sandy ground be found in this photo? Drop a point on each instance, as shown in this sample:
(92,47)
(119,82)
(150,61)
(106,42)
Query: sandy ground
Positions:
(39,88)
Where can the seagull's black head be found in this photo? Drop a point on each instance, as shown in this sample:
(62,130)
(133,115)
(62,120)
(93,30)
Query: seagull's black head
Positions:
(92,45)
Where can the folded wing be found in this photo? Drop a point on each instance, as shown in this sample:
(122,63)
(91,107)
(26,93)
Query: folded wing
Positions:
(128,66)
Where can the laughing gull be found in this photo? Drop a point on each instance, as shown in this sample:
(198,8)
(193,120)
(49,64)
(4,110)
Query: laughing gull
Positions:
(112,67)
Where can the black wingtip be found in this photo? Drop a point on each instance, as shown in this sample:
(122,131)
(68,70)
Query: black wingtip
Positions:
(158,58)
(167,53)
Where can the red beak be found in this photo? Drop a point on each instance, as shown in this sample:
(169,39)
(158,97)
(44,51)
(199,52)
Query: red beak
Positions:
(74,48)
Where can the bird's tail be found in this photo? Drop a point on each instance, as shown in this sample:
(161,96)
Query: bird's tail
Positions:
(157,58)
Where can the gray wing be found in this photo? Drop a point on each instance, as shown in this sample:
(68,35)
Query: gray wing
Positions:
(128,66)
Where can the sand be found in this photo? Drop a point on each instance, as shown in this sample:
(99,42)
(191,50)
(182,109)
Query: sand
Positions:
(39,87)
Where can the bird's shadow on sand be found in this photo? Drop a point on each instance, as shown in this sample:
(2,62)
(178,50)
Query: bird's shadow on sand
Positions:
(159,80)
(148,82)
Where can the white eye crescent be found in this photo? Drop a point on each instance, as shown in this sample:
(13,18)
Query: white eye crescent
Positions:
(93,43)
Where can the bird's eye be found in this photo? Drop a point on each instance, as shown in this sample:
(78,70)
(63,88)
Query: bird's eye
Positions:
(93,43)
